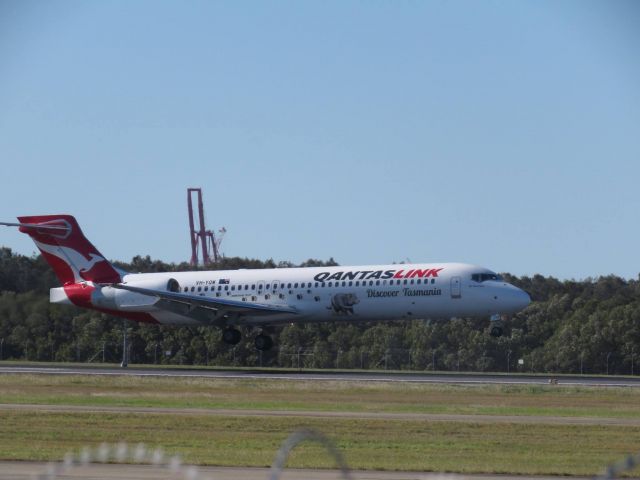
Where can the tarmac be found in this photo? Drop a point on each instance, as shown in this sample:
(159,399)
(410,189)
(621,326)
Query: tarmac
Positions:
(423,377)
(31,470)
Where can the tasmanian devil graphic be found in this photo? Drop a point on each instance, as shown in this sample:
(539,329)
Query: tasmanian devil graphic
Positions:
(342,303)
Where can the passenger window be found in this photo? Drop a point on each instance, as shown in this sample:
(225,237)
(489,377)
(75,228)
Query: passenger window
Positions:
(295,285)
(226,287)
(268,286)
(433,280)
(411,282)
(206,289)
(357,283)
(405,282)
(377,282)
(193,289)
(186,289)
(288,285)
(350,283)
(344,284)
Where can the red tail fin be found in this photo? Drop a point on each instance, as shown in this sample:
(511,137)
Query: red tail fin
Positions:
(64,246)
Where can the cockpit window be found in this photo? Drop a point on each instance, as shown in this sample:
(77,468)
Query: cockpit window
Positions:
(483,277)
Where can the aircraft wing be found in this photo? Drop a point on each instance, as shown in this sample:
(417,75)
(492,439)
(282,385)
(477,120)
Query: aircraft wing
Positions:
(210,310)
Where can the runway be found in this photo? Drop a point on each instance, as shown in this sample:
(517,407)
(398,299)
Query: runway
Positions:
(423,377)
(31,470)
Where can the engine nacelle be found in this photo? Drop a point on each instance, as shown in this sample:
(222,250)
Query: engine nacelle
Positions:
(117,298)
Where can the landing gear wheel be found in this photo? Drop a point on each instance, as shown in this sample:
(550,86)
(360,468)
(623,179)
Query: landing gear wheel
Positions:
(263,342)
(231,336)
(496,331)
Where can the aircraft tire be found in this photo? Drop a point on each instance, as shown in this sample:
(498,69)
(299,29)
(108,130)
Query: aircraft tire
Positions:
(496,331)
(263,342)
(231,336)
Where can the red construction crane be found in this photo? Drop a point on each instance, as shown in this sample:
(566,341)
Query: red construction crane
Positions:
(207,239)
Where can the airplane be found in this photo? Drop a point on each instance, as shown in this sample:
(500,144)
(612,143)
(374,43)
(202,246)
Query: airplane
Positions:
(264,298)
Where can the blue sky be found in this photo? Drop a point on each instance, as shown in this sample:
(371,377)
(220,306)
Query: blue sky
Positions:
(501,133)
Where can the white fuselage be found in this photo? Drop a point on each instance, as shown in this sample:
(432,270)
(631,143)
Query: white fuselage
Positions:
(344,293)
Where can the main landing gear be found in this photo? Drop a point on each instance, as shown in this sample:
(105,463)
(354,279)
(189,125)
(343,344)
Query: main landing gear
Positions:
(232,336)
(263,342)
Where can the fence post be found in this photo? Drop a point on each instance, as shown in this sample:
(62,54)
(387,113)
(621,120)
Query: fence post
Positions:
(124,362)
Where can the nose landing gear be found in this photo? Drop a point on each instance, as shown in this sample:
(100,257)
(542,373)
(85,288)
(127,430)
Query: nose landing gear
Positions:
(495,326)
(496,331)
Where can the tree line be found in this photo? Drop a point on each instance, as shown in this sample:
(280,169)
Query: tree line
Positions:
(586,326)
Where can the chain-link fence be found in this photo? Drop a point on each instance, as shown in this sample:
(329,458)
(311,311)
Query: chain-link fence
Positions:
(326,357)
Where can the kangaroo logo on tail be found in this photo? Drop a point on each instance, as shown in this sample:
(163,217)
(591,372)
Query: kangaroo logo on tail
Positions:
(80,265)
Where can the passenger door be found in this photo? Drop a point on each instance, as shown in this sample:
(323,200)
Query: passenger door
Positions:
(456,287)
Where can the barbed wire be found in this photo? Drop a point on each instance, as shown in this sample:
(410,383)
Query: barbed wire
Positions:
(297,438)
(122,453)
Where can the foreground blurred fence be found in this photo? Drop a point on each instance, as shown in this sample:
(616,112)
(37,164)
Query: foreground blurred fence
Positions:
(172,466)
(87,459)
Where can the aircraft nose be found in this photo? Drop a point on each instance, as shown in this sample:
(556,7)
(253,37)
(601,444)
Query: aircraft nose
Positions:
(522,299)
(514,299)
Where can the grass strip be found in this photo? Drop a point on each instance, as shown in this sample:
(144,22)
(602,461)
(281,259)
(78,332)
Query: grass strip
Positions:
(341,396)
